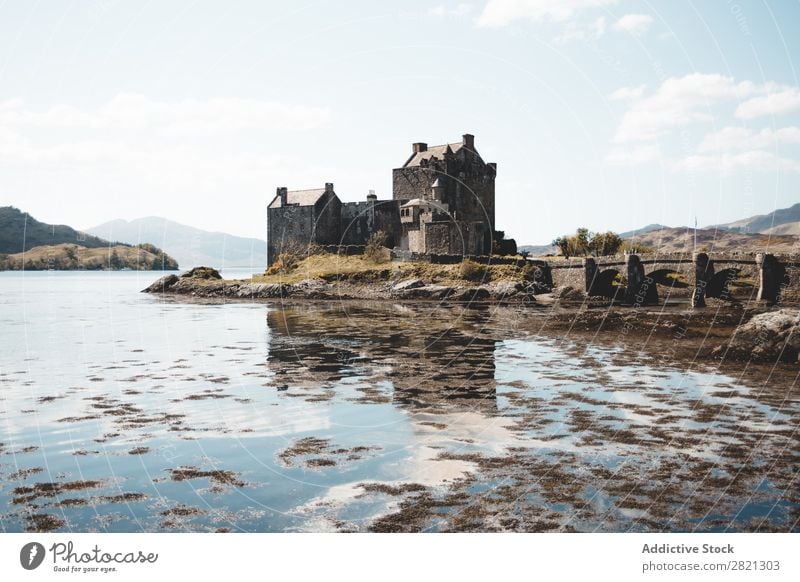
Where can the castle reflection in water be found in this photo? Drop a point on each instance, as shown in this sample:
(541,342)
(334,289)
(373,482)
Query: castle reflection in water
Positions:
(417,356)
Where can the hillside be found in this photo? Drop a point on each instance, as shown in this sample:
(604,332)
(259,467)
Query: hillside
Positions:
(19,231)
(710,240)
(190,246)
(763,222)
(643,230)
(787,228)
(538,250)
(73,257)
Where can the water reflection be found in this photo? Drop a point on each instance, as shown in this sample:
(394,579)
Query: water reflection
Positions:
(424,361)
(123,412)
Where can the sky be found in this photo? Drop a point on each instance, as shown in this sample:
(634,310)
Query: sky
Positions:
(602,114)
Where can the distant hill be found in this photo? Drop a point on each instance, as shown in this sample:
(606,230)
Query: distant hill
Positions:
(709,239)
(191,246)
(763,222)
(643,230)
(19,232)
(26,243)
(72,257)
(537,250)
(788,228)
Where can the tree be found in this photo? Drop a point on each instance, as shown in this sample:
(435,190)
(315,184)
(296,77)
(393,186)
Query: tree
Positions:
(114,261)
(573,245)
(605,243)
(584,242)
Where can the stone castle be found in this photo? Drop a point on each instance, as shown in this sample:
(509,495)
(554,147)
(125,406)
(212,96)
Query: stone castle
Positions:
(442,204)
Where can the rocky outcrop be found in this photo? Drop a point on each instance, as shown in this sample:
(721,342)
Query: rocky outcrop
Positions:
(162,285)
(767,337)
(205,282)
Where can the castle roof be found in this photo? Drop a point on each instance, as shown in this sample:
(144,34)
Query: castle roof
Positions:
(438,151)
(299,197)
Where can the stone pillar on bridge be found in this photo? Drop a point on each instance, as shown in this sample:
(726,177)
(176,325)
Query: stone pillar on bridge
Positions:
(635,275)
(703,271)
(769,278)
(590,272)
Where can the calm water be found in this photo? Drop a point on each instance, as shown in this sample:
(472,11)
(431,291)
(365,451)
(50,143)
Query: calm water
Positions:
(121,411)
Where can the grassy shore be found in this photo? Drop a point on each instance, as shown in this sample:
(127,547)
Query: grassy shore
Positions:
(357,268)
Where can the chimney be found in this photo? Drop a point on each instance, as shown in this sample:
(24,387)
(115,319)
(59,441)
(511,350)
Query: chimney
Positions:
(282,191)
(420,147)
(468,141)
(329,187)
(371,197)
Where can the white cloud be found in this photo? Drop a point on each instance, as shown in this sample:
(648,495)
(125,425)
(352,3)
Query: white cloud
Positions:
(576,31)
(137,112)
(459,10)
(627,93)
(739,138)
(677,102)
(498,13)
(774,103)
(638,155)
(757,160)
(701,98)
(636,24)
(131,155)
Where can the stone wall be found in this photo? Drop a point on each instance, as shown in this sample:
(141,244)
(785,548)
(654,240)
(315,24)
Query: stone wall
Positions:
(327,220)
(790,291)
(288,227)
(409,183)
(360,219)
(454,238)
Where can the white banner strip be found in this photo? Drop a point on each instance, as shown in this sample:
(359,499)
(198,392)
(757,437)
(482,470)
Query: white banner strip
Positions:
(354,557)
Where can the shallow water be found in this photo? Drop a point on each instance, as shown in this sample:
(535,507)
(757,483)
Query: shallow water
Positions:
(121,411)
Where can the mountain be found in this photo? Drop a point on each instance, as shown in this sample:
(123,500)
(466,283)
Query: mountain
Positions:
(191,246)
(787,228)
(19,232)
(72,257)
(681,240)
(764,222)
(537,250)
(26,243)
(643,230)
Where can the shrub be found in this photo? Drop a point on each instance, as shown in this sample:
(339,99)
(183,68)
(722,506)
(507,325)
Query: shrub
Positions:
(202,273)
(283,264)
(472,271)
(376,250)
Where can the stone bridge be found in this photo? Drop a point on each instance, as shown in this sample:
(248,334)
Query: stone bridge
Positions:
(634,280)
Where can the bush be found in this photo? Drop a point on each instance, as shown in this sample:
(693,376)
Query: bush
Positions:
(283,264)
(376,250)
(472,271)
(633,247)
(202,273)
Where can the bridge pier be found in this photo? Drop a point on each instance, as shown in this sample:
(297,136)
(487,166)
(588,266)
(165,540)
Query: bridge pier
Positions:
(634,292)
(703,271)
(590,273)
(770,277)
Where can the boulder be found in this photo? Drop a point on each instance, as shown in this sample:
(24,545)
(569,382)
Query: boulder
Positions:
(767,337)
(408,284)
(504,289)
(162,284)
(471,294)
(568,294)
(262,290)
(427,292)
